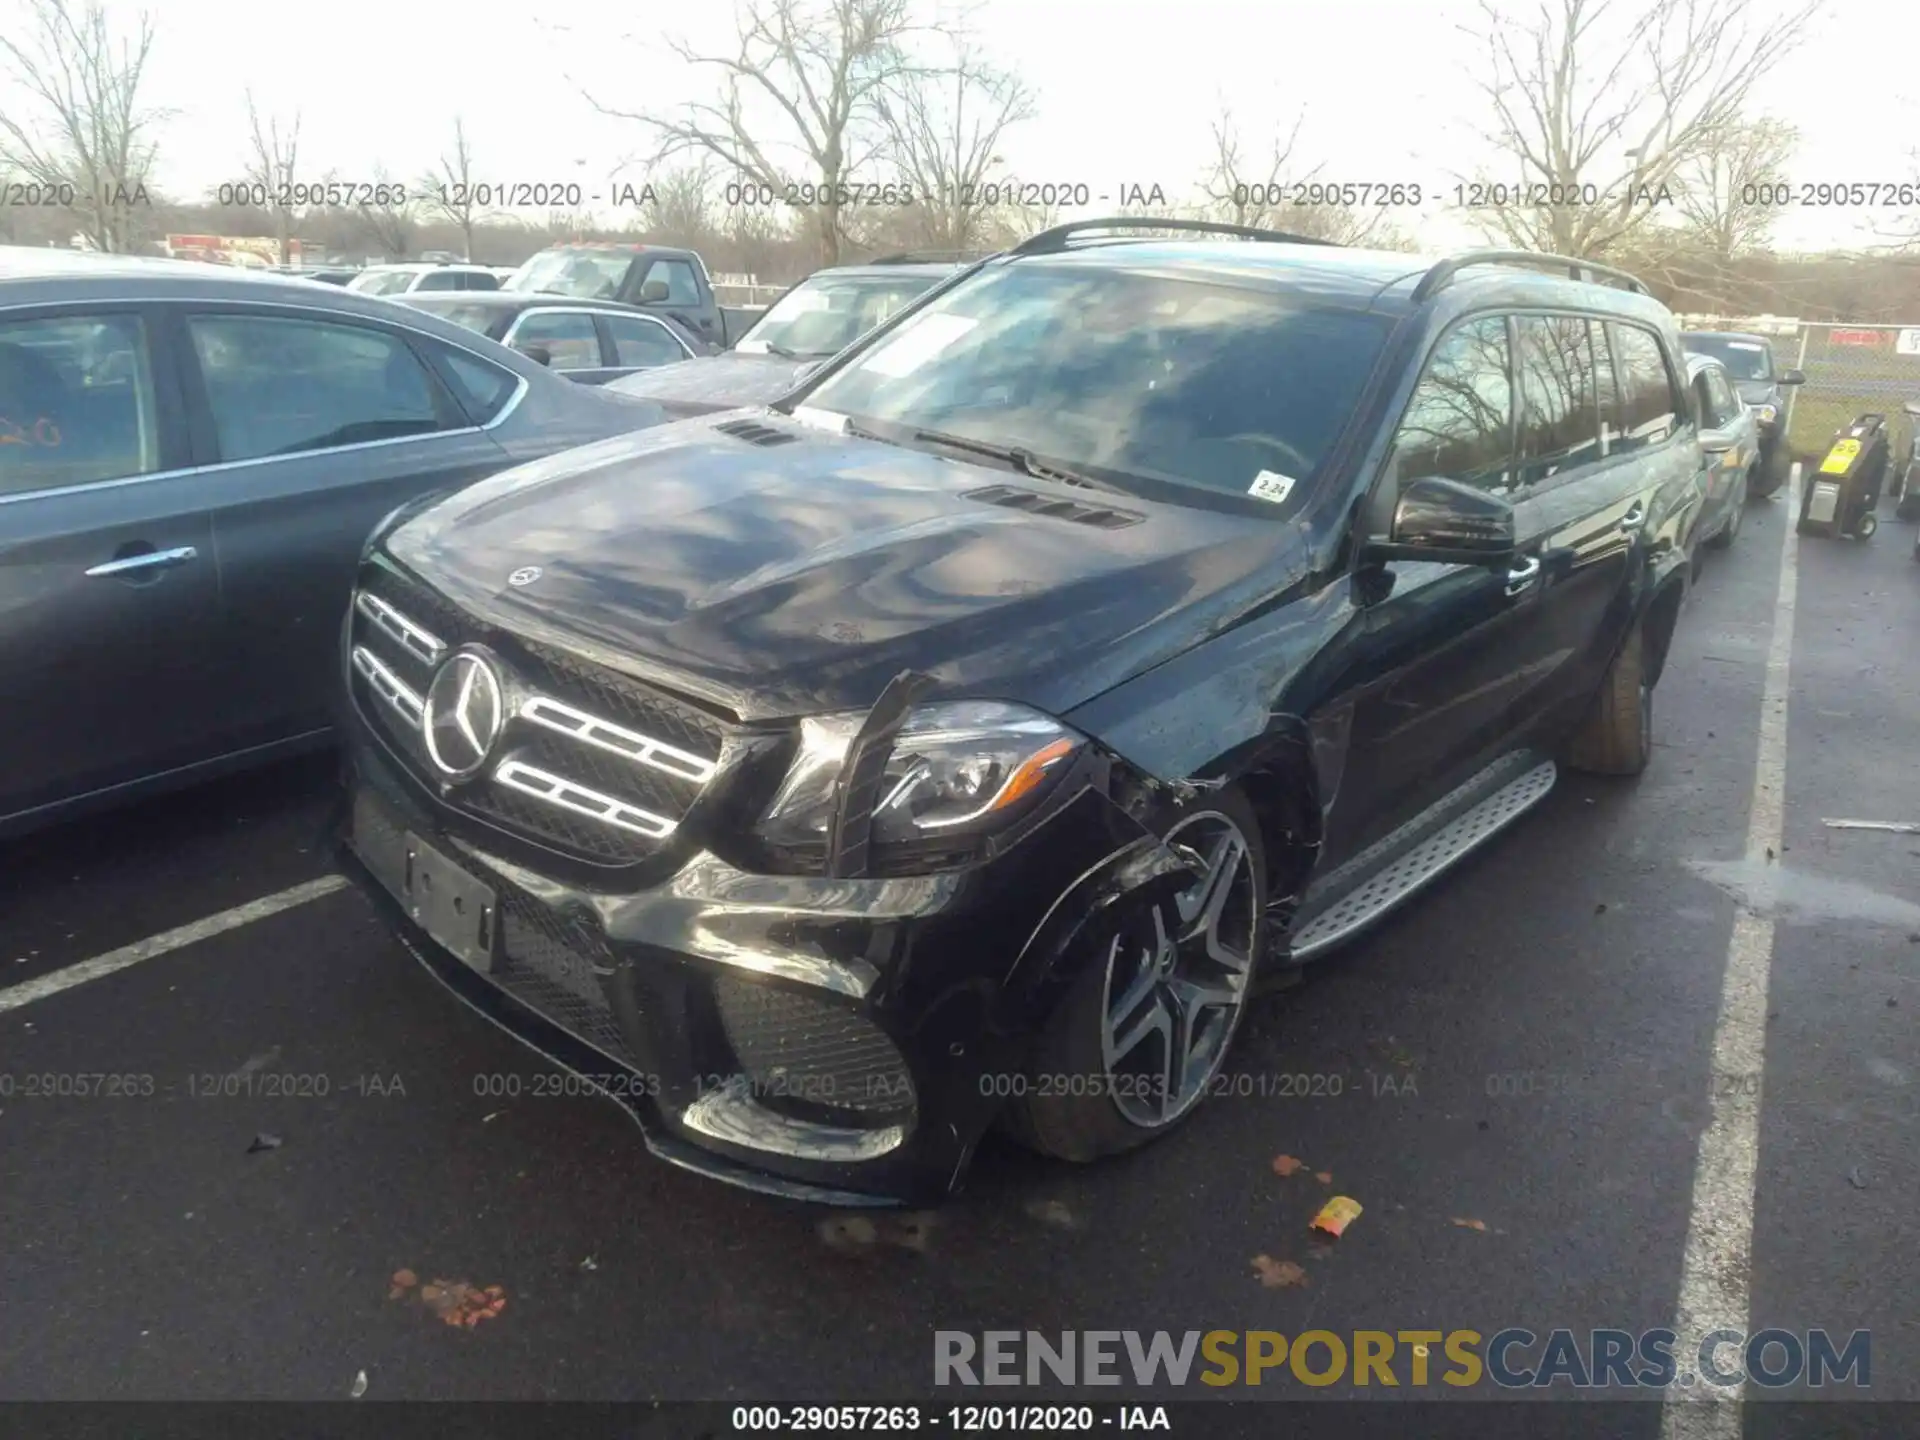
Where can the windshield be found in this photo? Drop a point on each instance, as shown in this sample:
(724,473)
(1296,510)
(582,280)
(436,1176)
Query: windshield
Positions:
(1203,384)
(582,274)
(826,313)
(382,282)
(1744,359)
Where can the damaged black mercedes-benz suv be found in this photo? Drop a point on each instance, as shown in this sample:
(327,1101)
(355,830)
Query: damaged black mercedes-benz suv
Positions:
(969,734)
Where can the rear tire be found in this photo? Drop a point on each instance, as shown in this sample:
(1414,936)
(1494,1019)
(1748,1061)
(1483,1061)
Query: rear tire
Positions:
(1736,511)
(1088,1093)
(1617,739)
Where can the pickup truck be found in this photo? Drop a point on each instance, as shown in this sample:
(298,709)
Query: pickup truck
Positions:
(655,279)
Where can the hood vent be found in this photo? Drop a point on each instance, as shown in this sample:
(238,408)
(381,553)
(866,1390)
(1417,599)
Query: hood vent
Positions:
(1097,516)
(754,433)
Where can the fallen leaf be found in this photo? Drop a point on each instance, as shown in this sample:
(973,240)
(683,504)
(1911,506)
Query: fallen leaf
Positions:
(1278,1274)
(405,1279)
(1325,1177)
(264,1141)
(1855,1179)
(359,1385)
(1052,1212)
(1286,1165)
(1469,1224)
(589,1263)
(1338,1213)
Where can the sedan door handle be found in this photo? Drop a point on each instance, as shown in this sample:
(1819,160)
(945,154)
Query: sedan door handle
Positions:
(1523,574)
(1636,517)
(151,560)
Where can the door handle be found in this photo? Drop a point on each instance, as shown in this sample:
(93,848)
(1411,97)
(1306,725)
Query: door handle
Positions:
(1636,517)
(1523,574)
(151,560)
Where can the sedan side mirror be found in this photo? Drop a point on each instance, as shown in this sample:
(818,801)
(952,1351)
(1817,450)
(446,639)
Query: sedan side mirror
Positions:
(1448,522)
(1716,442)
(653,292)
(1794,377)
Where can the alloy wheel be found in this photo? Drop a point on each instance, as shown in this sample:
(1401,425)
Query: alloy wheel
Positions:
(1174,996)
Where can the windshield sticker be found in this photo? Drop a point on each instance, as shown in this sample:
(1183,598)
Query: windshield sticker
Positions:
(820,419)
(1271,486)
(918,344)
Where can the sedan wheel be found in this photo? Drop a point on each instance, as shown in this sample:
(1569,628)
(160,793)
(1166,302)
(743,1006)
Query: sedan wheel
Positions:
(1174,998)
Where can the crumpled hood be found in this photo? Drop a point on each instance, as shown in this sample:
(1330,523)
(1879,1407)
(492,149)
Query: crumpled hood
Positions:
(800,577)
(714,382)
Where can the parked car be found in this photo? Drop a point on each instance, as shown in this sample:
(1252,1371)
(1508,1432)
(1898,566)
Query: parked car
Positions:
(657,279)
(1730,450)
(190,459)
(329,275)
(589,343)
(814,320)
(1759,382)
(412,278)
(975,728)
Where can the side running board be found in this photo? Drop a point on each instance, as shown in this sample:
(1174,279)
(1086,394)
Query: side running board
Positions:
(1373,896)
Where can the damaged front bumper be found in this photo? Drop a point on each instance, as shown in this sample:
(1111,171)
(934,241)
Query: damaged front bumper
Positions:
(832,1039)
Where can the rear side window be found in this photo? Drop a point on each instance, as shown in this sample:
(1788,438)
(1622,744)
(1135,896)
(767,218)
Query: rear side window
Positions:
(76,402)
(1459,424)
(282,386)
(642,342)
(569,338)
(483,389)
(1649,402)
(1560,417)
(479,280)
(440,280)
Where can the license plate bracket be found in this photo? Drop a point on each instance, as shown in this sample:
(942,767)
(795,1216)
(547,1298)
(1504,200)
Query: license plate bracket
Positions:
(453,908)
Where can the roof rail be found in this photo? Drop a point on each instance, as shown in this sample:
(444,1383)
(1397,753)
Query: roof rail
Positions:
(1053,241)
(1588,270)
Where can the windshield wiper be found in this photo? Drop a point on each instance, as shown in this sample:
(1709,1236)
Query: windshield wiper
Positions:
(781,351)
(1017,456)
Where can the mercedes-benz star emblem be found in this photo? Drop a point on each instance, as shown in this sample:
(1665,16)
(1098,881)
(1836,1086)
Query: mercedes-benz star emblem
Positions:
(525,575)
(464,713)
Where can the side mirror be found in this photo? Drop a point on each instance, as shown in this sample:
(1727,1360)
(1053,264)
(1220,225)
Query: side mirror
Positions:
(653,292)
(1448,522)
(1715,442)
(1794,377)
(539,354)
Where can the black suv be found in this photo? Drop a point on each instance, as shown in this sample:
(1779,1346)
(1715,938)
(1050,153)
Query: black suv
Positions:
(1749,363)
(1123,624)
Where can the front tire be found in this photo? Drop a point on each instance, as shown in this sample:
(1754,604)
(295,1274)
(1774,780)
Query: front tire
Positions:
(1140,1036)
(1617,739)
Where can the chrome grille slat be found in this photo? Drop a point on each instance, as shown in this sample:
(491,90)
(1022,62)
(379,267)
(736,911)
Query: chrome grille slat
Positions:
(628,744)
(415,639)
(558,790)
(399,695)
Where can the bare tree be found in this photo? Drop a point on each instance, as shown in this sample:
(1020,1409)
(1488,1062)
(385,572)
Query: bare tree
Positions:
(944,127)
(83,130)
(813,71)
(677,206)
(1247,191)
(1596,105)
(1723,212)
(1265,190)
(272,167)
(389,215)
(449,192)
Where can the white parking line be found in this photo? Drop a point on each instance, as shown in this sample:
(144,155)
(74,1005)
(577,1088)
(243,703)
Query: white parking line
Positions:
(14,996)
(1717,1274)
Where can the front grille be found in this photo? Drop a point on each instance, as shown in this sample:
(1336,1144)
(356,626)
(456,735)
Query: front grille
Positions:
(591,763)
(811,1052)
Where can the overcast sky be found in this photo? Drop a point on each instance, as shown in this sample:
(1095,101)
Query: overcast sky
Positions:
(1126,91)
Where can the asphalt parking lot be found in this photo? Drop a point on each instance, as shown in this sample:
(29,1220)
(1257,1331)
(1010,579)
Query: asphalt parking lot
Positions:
(1531,1047)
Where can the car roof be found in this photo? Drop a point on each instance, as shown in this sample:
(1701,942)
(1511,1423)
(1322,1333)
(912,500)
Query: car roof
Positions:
(1726,335)
(932,268)
(424,265)
(1381,280)
(30,276)
(516,300)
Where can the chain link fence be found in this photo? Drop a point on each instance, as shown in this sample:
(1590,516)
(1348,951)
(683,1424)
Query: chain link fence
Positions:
(1850,370)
